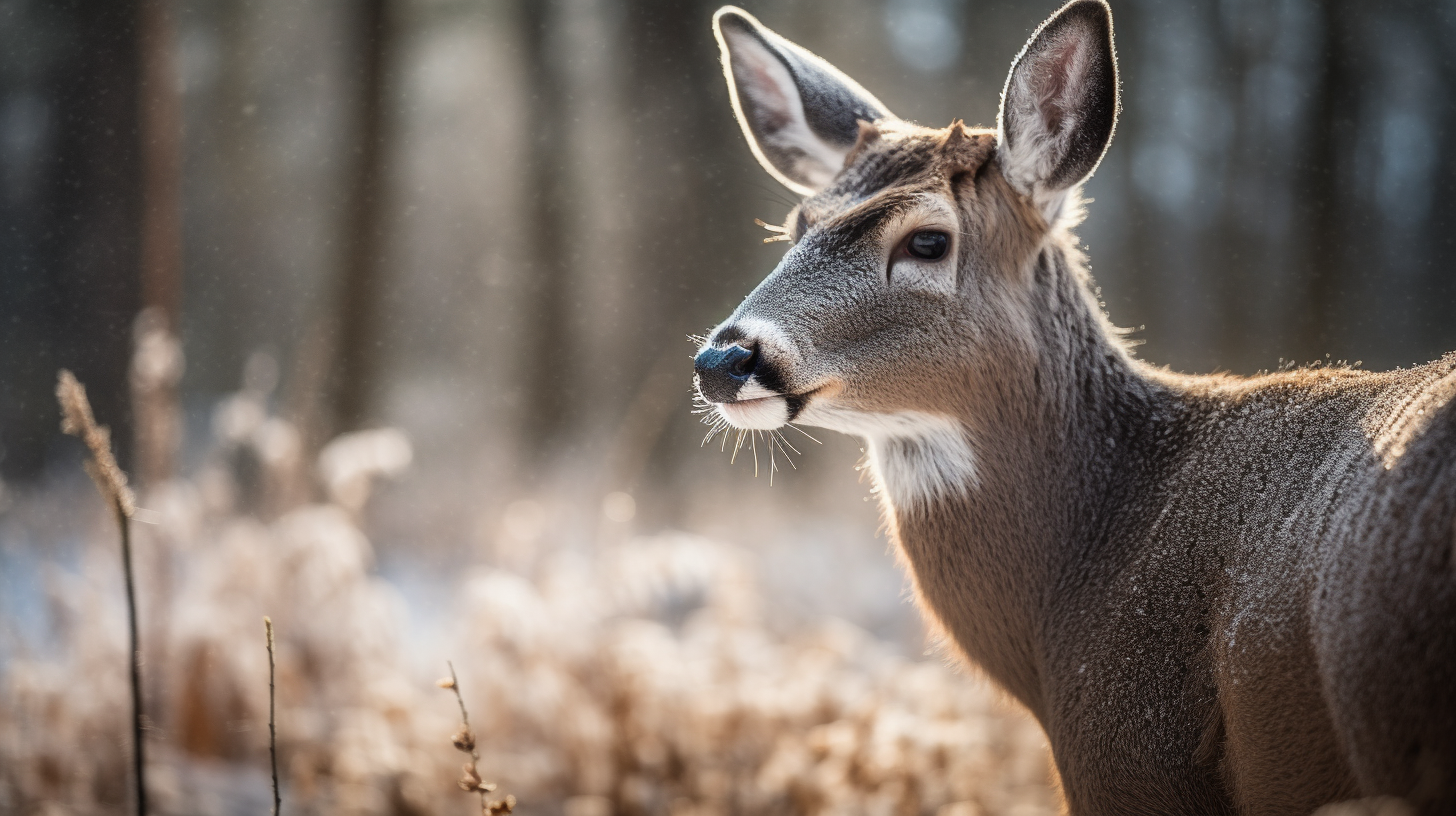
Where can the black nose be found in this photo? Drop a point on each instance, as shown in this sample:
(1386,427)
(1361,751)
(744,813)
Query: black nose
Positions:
(721,372)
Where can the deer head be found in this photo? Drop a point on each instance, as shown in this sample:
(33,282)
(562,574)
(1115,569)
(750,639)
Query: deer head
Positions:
(910,289)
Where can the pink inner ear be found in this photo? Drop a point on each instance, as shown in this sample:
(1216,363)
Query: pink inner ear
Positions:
(769,100)
(1055,80)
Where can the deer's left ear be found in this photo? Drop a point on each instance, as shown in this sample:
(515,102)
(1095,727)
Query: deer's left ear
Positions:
(1060,104)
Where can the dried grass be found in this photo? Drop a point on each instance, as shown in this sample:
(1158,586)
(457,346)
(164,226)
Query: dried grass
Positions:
(641,678)
(77,420)
(273,717)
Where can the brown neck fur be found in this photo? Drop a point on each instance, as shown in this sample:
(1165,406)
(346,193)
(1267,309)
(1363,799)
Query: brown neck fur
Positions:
(1051,424)
(1135,525)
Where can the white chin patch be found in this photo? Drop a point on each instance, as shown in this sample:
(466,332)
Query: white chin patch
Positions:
(916,458)
(764,414)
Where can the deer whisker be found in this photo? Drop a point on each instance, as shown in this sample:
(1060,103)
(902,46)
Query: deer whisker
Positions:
(804,432)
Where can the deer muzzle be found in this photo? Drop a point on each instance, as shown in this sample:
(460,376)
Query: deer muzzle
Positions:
(726,378)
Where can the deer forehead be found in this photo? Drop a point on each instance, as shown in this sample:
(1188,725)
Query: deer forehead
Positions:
(903,165)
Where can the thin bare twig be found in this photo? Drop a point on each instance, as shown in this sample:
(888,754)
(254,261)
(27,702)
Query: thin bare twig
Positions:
(465,743)
(77,420)
(272,719)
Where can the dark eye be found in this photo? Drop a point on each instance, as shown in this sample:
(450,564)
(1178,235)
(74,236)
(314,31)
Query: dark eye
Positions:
(927,245)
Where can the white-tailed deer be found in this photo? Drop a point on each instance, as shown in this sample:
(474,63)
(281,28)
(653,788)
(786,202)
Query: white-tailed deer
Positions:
(1216,594)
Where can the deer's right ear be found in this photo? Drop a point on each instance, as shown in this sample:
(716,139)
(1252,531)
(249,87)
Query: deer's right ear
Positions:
(800,114)
(1060,103)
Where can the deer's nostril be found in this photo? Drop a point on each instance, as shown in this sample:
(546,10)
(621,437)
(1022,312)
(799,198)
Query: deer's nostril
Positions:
(721,372)
(741,361)
(735,361)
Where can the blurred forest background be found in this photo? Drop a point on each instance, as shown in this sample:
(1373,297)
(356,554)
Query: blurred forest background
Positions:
(491,224)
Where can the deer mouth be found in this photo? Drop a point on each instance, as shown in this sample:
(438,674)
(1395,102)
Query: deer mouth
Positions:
(760,414)
(767,412)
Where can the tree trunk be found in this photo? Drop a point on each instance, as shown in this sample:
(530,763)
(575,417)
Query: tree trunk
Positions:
(545,408)
(358,343)
(157,361)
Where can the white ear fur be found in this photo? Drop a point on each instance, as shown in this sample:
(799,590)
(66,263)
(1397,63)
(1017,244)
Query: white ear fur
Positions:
(1059,107)
(798,112)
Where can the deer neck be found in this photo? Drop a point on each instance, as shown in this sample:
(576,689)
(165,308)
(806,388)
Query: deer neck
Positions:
(989,502)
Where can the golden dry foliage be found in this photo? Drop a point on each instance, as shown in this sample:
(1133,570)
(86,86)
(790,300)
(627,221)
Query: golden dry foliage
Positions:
(645,677)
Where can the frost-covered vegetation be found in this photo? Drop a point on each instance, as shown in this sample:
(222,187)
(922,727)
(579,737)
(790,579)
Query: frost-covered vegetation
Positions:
(645,676)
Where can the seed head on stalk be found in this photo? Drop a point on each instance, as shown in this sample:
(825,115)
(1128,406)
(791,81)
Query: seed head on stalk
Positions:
(464,741)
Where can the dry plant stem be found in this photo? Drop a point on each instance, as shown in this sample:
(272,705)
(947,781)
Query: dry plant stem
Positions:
(464,715)
(465,743)
(272,718)
(139,750)
(77,420)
